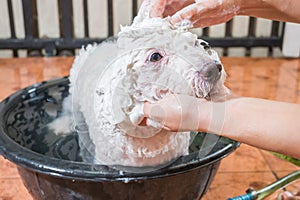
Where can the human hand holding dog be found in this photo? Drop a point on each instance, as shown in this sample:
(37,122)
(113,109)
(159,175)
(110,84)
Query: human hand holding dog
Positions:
(242,119)
(177,112)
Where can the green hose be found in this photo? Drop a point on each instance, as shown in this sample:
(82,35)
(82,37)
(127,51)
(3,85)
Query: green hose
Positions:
(266,191)
(288,158)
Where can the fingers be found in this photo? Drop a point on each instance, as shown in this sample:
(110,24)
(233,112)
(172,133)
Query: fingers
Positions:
(147,108)
(288,196)
(205,13)
(136,116)
(158,8)
(155,124)
(201,13)
(174,112)
(155,116)
(154,111)
(188,13)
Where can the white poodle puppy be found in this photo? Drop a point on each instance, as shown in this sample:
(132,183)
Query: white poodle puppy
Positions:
(109,83)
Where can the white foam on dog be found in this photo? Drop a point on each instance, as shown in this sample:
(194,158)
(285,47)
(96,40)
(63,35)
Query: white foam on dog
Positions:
(110,82)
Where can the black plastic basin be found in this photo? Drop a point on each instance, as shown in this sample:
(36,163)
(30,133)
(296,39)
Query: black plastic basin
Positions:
(51,167)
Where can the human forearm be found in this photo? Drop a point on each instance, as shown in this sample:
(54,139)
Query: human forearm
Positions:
(203,13)
(288,10)
(265,124)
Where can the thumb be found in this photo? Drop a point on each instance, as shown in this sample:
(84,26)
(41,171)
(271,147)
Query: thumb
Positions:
(155,115)
(147,107)
(154,111)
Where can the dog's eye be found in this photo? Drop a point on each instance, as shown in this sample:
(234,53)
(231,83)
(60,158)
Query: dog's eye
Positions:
(155,57)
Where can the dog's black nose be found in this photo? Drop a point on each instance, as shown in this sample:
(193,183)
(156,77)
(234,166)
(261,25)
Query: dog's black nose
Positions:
(210,71)
(219,66)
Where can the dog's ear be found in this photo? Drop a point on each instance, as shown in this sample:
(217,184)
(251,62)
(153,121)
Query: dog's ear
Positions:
(205,45)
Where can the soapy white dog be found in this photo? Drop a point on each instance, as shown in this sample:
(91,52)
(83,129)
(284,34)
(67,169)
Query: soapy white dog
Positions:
(109,83)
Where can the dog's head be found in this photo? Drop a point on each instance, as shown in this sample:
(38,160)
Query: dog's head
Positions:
(155,59)
(150,59)
(161,59)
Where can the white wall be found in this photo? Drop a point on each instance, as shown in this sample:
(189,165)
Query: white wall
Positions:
(291,41)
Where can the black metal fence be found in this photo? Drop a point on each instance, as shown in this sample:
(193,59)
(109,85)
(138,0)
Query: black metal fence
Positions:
(67,43)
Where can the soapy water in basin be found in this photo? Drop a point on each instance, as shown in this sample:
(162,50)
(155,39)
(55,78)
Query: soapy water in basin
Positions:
(27,125)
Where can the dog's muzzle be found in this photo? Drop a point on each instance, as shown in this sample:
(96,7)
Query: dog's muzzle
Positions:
(210,72)
(206,77)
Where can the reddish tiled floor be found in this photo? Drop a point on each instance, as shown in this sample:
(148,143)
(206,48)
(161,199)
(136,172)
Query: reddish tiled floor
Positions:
(276,164)
(13,189)
(230,184)
(248,167)
(11,185)
(244,159)
(295,186)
